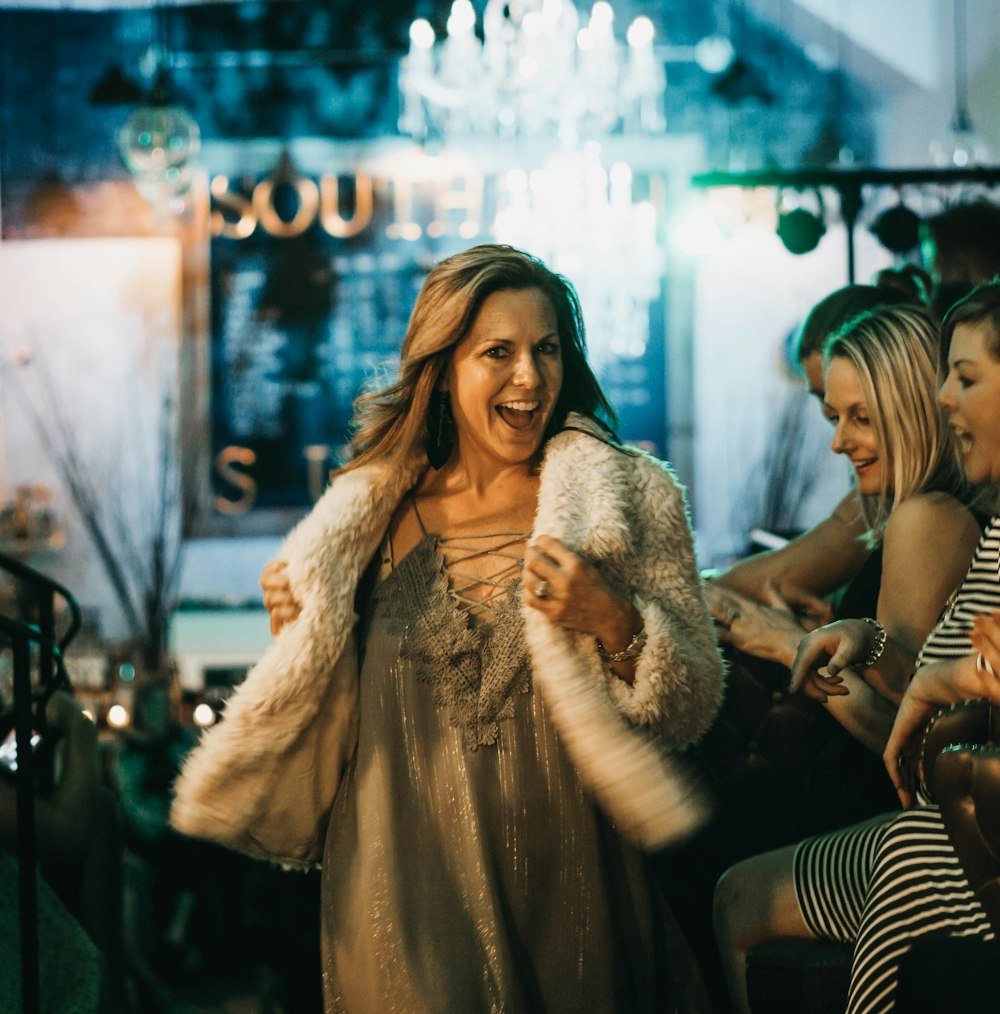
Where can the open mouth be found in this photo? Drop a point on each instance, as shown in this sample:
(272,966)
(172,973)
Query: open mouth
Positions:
(519,415)
(861,466)
(964,440)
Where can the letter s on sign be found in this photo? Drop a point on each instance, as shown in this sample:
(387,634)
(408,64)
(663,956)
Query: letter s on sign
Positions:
(225,462)
(236,204)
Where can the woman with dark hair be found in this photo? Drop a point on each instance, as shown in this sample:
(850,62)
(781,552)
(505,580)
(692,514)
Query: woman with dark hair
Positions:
(477,758)
(884,883)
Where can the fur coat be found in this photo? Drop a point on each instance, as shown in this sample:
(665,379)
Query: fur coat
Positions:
(263,780)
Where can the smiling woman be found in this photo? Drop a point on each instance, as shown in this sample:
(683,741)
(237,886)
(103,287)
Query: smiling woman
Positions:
(492,632)
(881,388)
(970,395)
(846,407)
(881,372)
(885,883)
(504,379)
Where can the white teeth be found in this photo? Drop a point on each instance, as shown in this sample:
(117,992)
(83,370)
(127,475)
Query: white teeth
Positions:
(521,406)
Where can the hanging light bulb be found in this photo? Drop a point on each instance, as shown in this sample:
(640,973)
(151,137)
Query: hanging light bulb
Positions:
(961,147)
(540,70)
(159,136)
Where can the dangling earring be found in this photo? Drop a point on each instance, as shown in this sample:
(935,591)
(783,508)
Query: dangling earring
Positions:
(440,429)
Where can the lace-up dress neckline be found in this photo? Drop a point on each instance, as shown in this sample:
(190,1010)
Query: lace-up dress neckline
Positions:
(481,569)
(461,812)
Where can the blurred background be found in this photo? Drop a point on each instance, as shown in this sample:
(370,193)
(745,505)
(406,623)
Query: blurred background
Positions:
(214,220)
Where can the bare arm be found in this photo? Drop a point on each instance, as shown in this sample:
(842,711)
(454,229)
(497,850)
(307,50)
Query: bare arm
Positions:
(929,544)
(863,712)
(920,570)
(809,567)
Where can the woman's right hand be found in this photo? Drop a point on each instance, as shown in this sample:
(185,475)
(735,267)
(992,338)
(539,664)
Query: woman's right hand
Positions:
(281,604)
(833,648)
(820,685)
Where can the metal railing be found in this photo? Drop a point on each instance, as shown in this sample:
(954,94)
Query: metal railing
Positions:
(26,640)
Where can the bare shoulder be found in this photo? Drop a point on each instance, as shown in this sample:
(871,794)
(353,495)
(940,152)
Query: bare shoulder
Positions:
(932,517)
(929,542)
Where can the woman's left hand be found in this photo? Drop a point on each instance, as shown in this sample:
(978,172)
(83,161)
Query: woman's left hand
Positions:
(572,593)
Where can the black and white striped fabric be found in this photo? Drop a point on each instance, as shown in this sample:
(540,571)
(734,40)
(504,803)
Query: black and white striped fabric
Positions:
(889,880)
(978,593)
(917,888)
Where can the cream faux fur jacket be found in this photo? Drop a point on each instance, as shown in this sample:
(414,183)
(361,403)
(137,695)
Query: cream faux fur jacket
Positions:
(263,780)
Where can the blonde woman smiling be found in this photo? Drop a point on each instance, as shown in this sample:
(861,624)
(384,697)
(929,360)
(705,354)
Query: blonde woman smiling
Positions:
(881,380)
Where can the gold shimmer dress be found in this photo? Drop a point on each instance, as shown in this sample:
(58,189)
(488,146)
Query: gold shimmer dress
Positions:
(465,869)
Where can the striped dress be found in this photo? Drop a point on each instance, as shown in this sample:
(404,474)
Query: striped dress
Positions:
(889,880)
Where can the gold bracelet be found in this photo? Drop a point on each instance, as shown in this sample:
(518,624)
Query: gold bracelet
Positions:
(631,650)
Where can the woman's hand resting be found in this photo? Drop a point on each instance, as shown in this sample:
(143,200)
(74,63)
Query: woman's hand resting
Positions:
(933,687)
(770,631)
(573,593)
(824,653)
(281,604)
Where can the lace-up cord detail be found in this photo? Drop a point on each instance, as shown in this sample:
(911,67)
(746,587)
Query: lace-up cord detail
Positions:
(457,551)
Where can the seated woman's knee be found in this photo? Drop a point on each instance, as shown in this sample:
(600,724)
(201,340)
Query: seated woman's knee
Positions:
(755,900)
(736,902)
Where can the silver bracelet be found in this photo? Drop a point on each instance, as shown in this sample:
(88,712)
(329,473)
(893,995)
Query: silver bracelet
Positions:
(983,664)
(879,646)
(631,650)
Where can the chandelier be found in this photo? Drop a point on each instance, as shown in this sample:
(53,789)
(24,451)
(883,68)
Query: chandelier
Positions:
(557,86)
(540,70)
(582,220)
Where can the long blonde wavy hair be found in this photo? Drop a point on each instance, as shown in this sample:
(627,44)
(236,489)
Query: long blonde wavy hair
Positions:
(391,423)
(895,351)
